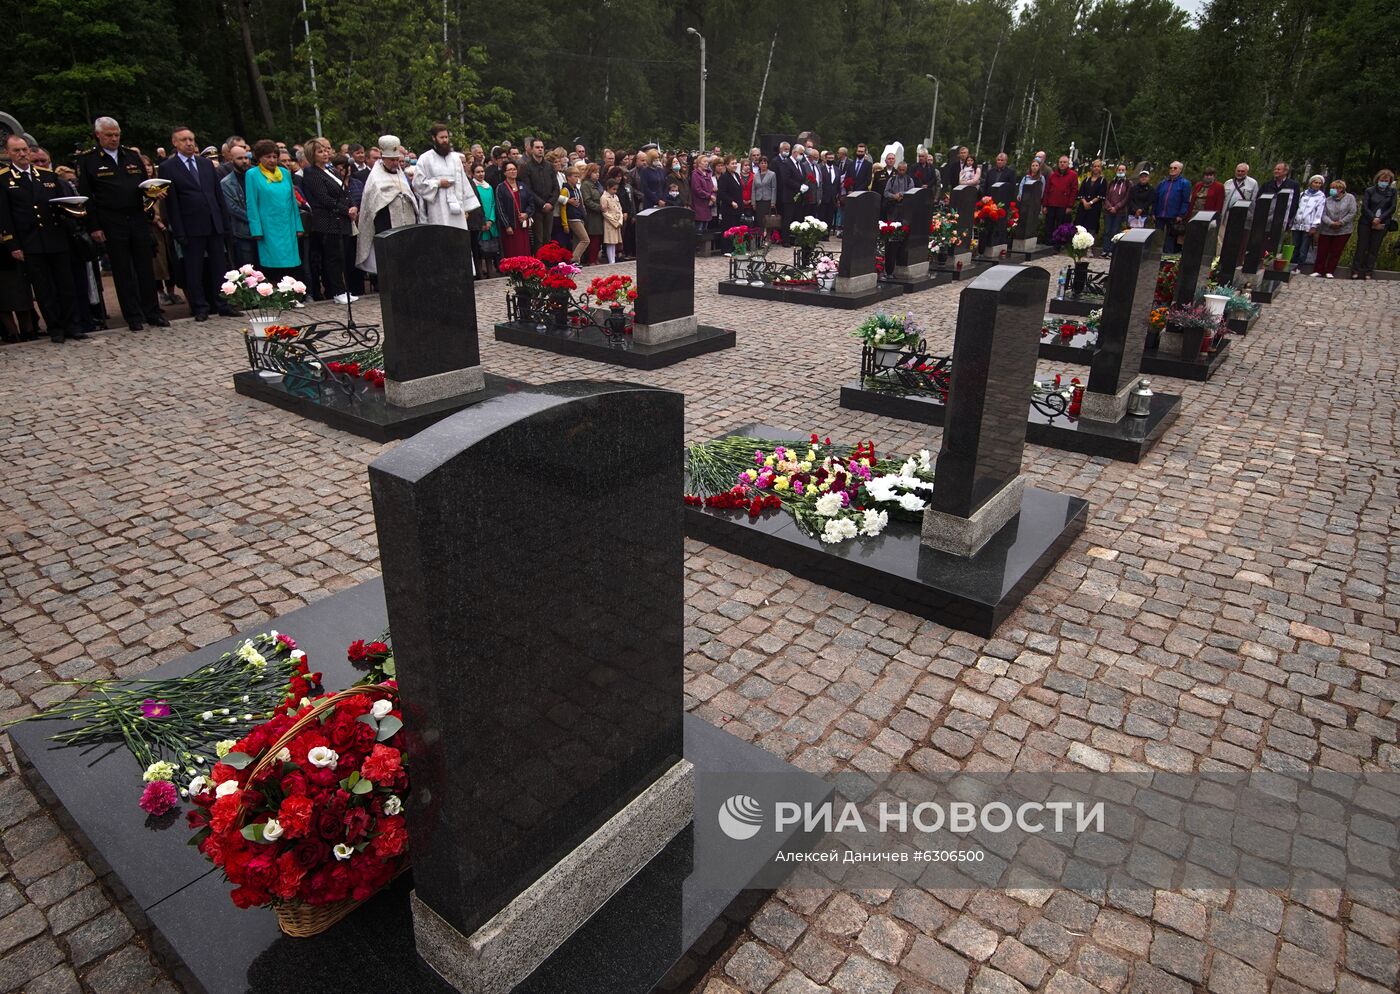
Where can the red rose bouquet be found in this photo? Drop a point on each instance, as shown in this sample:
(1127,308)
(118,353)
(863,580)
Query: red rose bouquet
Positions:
(306,812)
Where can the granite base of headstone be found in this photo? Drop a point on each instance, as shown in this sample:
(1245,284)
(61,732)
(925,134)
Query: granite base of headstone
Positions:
(856,283)
(1167,360)
(987,538)
(428,332)
(665,329)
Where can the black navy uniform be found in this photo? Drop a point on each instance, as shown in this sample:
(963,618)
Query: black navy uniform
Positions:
(116,207)
(31,224)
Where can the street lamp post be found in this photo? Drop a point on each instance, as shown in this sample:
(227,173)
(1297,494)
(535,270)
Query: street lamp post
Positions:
(702,83)
(933,118)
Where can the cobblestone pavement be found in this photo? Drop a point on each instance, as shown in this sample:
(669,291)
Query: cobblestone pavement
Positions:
(1229,606)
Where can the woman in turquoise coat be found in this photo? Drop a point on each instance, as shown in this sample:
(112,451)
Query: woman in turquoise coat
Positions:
(274,221)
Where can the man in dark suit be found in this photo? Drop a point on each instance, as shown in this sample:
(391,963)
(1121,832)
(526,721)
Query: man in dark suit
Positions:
(860,171)
(196,214)
(110,176)
(830,174)
(34,233)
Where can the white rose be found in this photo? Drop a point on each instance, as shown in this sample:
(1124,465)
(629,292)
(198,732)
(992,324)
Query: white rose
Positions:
(226,788)
(828,505)
(232,274)
(272,831)
(343,852)
(393,805)
(381,708)
(285,283)
(323,757)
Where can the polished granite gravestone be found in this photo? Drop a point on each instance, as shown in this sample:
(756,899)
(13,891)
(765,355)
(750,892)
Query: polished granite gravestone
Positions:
(985,538)
(1027,232)
(1197,249)
(178,900)
(999,242)
(857,284)
(963,199)
(908,264)
(665,330)
(548,756)
(1271,279)
(1254,238)
(432,362)
(1232,243)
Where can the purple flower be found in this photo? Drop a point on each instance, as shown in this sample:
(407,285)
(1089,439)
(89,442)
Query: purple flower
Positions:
(797,486)
(158,797)
(1063,234)
(845,498)
(154,709)
(758,457)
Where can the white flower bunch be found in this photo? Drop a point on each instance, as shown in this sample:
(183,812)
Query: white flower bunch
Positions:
(839,530)
(160,770)
(829,505)
(1083,239)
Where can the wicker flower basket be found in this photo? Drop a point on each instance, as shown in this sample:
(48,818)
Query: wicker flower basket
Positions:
(301,921)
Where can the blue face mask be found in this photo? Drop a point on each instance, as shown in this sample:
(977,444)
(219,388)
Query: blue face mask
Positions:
(1336,192)
(1384,184)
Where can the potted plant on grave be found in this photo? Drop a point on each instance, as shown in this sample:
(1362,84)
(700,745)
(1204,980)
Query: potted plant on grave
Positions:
(261,301)
(805,236)
(825,271)
(889,336)
(1197,326)
(305,812)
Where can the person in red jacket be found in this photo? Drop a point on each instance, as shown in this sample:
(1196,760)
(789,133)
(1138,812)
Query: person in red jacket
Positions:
(1208,195)
(1061,189)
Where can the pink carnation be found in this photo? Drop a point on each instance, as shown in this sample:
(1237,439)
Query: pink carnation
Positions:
(158,797)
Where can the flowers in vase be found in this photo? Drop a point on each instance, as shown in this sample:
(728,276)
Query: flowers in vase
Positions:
(944,233)
(807,232)
(739,237)
(1079,243)
(247,289)
(825,268)
(988,211)
(307,808)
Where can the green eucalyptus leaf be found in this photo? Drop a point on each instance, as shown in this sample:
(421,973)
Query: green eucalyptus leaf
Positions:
(254,833)
(362,787)
(369,720)
(238,760)
(388,726)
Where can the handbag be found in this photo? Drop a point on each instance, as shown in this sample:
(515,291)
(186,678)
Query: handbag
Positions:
(490,246)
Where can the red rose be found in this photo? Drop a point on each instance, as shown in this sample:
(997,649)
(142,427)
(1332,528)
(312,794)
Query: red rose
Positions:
(357,652)
(382,765)
(294,783)
(295,815)
(311,853)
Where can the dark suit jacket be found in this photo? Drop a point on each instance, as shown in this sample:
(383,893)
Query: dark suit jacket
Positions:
(195,210)
(329,202)
(831,182)
(860,172)
(505,204)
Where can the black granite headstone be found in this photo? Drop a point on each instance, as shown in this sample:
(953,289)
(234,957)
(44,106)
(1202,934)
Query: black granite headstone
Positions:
(1278,218)
(533,569)
(1258,230)
(1232,245)
(1196,249)
(964,201)
(1028,224)
(1128,296)
(426,300)
(994,356)
(914,212)
(665,264)
(860,234)
(1003,194)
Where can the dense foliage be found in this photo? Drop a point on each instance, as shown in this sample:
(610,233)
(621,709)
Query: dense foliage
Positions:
(1253,80)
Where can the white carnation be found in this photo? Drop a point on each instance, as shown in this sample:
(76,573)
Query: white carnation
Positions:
(829,505)
(911,502)
(874,523)
(838,530)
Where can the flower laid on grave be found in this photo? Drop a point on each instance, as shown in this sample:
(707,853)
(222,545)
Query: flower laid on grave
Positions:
(247,289)
(881,330)
(178,727)
(807,232)
(373,375)
(834,493)
(375,657)
(944,234)
(1080,243)
(615,290)
(305,812)
(274,332)
(1064,329)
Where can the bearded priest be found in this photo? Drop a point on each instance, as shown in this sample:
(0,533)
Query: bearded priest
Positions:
(441,183)
(388,201)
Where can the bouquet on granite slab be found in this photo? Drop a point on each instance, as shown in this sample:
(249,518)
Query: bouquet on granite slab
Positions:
(305,812)
(834,493)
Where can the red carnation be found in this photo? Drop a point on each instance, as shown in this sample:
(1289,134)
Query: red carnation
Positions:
(392,838)
(382,765)
(357,651)
(295,815)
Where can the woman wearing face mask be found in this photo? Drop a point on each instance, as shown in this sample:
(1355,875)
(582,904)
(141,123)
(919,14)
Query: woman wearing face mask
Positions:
(1334,230)
(1306,218)
(1377,218)
(1115,205)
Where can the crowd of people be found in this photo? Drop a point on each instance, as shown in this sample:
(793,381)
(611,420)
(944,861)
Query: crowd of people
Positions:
(182,217)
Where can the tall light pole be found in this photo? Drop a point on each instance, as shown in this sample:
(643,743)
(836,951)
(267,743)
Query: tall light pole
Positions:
(697,34)
(934,116)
